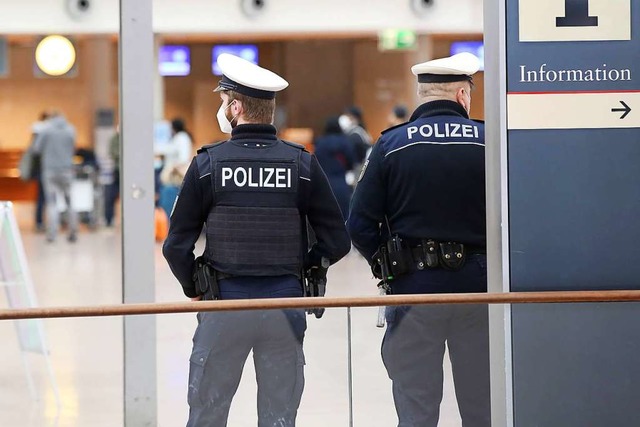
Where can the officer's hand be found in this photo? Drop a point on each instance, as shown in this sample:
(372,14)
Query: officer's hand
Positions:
(198,298)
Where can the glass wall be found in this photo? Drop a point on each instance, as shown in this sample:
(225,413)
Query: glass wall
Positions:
(60,232)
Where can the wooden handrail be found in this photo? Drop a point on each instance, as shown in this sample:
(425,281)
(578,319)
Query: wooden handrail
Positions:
(280,303)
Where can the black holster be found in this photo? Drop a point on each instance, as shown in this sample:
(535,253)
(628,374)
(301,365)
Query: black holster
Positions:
(452,255)
(206,279)
(314,282)
(397,258)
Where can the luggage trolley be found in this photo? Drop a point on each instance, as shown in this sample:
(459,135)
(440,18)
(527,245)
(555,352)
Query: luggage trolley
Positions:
(85,194)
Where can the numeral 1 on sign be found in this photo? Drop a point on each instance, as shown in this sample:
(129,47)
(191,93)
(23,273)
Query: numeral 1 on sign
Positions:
(576,15)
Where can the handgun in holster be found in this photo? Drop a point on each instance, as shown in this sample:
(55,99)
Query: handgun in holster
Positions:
(315,284)
(206,280)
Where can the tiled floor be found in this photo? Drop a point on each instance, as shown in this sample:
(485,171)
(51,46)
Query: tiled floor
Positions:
(86,353)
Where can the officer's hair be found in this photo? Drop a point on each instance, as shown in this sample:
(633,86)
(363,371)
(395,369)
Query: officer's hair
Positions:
(256,110)
(439,90)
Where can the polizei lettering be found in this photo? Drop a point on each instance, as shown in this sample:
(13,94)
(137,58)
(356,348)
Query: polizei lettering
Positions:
(443,130)
(256,177)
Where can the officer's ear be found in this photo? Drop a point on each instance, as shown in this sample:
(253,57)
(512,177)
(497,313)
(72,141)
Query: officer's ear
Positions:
(463,97)
(237,108)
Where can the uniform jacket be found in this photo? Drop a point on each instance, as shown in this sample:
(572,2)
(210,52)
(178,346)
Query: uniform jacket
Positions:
(196,200)
(424,179)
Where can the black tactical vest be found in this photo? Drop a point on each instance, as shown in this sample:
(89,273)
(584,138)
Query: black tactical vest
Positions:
(255,227)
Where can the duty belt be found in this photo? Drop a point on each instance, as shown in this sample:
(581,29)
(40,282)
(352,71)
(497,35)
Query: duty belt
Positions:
(417,250)
(401,259)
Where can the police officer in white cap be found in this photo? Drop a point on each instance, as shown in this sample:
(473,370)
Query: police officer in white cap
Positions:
(254,193)
(418,216)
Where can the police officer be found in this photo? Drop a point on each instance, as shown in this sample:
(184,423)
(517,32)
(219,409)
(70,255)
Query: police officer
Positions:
(418,213)
(255,194)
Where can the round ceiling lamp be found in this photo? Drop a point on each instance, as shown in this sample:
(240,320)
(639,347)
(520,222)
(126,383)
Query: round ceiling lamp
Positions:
(55,55)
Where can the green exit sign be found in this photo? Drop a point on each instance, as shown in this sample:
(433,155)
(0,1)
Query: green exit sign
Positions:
(394,39)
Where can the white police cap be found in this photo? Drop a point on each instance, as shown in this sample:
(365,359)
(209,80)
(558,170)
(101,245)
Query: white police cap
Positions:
(244,77)
(459,67)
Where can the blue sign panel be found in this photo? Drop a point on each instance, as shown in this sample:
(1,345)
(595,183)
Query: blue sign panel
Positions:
(573,150)
(574,143)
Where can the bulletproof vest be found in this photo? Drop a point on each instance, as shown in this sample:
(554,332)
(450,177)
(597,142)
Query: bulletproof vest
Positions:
(255,227)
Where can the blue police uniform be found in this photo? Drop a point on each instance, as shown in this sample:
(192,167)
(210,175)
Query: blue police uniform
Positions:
(425,179)
(254,193)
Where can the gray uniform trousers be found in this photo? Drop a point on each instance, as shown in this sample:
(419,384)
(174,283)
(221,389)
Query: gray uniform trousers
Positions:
(222,343)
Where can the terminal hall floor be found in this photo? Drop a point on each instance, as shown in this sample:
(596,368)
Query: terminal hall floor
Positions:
(87,353)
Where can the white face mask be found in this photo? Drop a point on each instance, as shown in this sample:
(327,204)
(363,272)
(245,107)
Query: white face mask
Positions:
(223,122)
(345,122)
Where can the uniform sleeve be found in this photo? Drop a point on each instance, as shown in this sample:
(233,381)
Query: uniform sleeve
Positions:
(325,218)
(367,209)
(187,219)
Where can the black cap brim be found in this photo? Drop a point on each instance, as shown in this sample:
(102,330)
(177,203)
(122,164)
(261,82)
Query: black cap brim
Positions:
(443,78)
(227,84)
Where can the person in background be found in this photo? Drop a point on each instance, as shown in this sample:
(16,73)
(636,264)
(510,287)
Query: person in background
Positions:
(56,146)
(37,175)
(113,190)
(336,156)
(352,124)
(398,115)
(176,157)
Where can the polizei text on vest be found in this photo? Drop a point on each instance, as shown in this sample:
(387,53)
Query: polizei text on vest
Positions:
(443,130)
(258,177)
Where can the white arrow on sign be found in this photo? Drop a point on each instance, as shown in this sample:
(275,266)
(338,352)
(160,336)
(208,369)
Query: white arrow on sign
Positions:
(572,110)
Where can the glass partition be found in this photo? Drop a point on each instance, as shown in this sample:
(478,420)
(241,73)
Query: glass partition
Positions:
(76,381)
(86,362)
(549,361)
(60,98)
(407,368)
(60,232)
